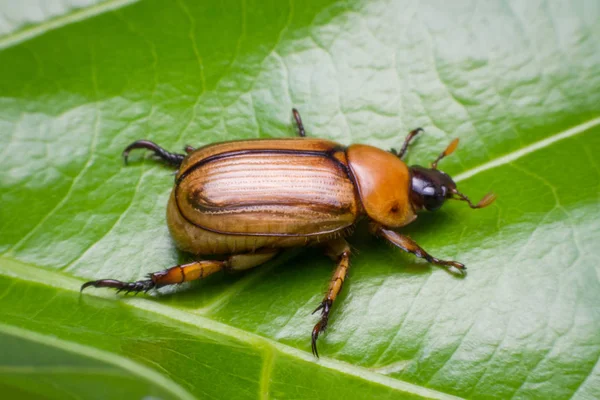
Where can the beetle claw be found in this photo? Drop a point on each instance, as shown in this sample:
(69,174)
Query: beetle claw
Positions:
(325,306)
(127,287)
(314,337)
(319,327)
(319,307)
(462,272)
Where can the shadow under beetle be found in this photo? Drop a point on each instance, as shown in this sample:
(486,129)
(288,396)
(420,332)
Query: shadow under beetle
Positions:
(249,199)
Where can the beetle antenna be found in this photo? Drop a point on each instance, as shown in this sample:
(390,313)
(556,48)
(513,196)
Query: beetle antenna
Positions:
(449,150)
(484,202)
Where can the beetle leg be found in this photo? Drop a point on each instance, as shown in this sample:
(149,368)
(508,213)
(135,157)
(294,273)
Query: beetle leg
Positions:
(168,157)
(409,245)
(187,272)
(176,274)
(299,124)
(338,250)
(407,141)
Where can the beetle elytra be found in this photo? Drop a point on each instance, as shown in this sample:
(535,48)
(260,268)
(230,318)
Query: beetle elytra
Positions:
(248,199)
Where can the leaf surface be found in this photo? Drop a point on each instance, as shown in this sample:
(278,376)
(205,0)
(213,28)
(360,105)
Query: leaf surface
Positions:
(517,82)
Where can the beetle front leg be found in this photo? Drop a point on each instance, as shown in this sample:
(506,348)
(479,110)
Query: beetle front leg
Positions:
(410,246)
(187,272)
(338,250)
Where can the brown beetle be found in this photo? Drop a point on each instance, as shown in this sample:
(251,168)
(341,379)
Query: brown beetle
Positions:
(249,199)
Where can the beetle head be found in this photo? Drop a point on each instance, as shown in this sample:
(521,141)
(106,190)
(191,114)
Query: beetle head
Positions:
(430,187)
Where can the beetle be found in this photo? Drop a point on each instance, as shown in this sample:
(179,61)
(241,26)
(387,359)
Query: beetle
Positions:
(247,200)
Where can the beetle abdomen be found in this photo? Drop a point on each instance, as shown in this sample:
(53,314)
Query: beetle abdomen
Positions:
(274,190)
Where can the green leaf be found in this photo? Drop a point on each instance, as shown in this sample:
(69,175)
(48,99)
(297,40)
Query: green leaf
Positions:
(517,82)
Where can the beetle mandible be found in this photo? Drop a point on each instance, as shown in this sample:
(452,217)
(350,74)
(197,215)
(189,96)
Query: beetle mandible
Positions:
(249,199)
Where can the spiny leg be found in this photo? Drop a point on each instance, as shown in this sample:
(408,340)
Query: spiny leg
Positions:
(409,245)
(174,159)
(339,251)
(187,272)
(407,141)
(173,275)
(299,124)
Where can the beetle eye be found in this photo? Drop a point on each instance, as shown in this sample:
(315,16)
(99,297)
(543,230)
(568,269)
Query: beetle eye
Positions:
(433,197)
(432,203)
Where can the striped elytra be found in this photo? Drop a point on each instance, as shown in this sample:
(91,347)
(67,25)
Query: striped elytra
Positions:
(249,194)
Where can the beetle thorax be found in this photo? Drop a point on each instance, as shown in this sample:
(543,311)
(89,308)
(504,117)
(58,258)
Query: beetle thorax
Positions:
(383,182)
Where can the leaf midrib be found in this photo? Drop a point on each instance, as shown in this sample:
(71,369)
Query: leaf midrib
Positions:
(516,154)
(34,30)
(119,363)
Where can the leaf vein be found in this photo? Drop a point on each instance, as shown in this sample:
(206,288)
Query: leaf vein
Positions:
(56,23)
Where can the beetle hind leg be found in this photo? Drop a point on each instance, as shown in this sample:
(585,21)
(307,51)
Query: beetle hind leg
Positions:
(173,275)
(338,250)
(173,159)
(127,287)
(186,272)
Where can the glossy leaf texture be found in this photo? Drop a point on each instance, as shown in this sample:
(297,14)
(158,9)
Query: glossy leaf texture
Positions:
(518,82)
